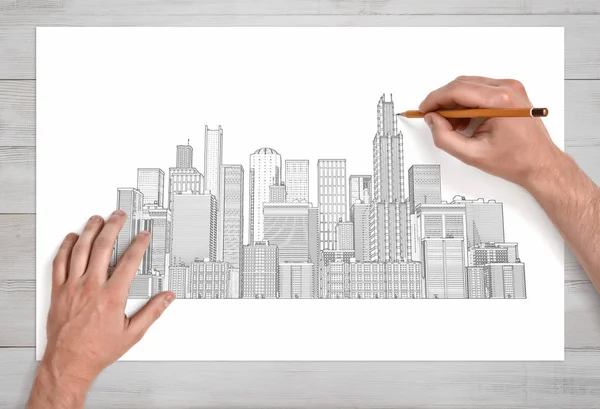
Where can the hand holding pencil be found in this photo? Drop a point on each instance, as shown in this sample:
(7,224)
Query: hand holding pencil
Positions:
(509,143)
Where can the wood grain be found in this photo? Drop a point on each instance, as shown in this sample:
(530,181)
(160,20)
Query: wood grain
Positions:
(573,383)
(42,8)
(17,179)
(17,32)
(17,113)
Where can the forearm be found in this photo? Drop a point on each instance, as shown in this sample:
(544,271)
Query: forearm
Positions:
(572,201)
(54,390)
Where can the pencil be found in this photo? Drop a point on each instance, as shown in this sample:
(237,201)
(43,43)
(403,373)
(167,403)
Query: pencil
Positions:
(482,113)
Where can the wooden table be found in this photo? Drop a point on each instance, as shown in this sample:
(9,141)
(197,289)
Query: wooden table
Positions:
(573,383)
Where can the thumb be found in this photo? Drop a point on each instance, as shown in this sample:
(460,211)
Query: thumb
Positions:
(449,140)
(149,313)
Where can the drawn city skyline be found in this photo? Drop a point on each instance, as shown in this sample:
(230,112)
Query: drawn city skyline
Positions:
(367,236)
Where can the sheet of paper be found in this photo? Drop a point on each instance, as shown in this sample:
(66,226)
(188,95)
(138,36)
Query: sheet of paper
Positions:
(295,217)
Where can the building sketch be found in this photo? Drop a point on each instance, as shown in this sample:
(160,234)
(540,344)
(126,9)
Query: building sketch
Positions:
(265,171)
(367,237)
(296,180)
(331,174)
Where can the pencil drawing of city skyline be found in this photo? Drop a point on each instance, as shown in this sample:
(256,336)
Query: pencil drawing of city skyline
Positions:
(368,236)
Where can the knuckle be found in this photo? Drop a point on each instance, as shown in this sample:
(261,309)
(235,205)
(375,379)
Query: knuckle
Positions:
(504,96)
(461,78)
(103,242)
(156,314)
(79,249)
(515,84)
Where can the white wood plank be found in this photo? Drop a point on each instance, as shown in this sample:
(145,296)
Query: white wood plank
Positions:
(17,246)
(17,47)
(17,320)
(17,316)
(573,383)
(17,113)
(582,50)
(303,7)
(17,180)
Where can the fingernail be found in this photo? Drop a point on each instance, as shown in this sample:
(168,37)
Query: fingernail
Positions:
(169,299)
(95,219)
(118,213)
(144,233)
(429,122)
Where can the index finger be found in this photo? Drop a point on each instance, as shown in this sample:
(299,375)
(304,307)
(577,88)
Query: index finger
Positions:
(465,94)
(128,265)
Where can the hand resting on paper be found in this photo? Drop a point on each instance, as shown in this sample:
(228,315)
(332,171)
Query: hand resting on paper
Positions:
(521,151)
(87,328)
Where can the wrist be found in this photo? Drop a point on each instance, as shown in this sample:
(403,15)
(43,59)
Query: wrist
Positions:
(549,169)
(54,388)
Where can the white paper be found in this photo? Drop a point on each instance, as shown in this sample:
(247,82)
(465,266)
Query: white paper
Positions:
(111,100)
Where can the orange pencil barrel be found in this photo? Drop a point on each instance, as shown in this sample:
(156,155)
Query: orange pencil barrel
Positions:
(483,113)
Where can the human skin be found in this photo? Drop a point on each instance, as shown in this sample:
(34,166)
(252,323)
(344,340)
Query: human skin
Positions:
(521,151)
(87,327)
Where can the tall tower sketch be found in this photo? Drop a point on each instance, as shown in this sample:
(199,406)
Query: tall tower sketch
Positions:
(231,206)
(360,189)
(265,170)
(161,236)
(296,180)
(213,159)
(194,227)
(424,185)
(184,177)
(130,201)
(231,223)
(388,155)
(331,174)
(359,216)
(184,156)
(151,183)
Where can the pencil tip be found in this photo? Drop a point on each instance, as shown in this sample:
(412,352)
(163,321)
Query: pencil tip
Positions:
(401,114)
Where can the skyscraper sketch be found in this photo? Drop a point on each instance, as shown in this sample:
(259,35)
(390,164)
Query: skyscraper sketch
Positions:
(388,155)
(360,189)
(265,170)
(286,226)
(368,237)
(194,227)
(231,221)
(331,174)
(130,201)
(260,270)
(185,155)
(344,236)
(296,280)
(277,193)
(485,220)
(151,183)
(296,180)
(160,243)
(359,216)
(213,159)
(424,185)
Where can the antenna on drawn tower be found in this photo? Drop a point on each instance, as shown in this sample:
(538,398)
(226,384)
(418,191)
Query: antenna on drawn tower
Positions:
(188,141)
